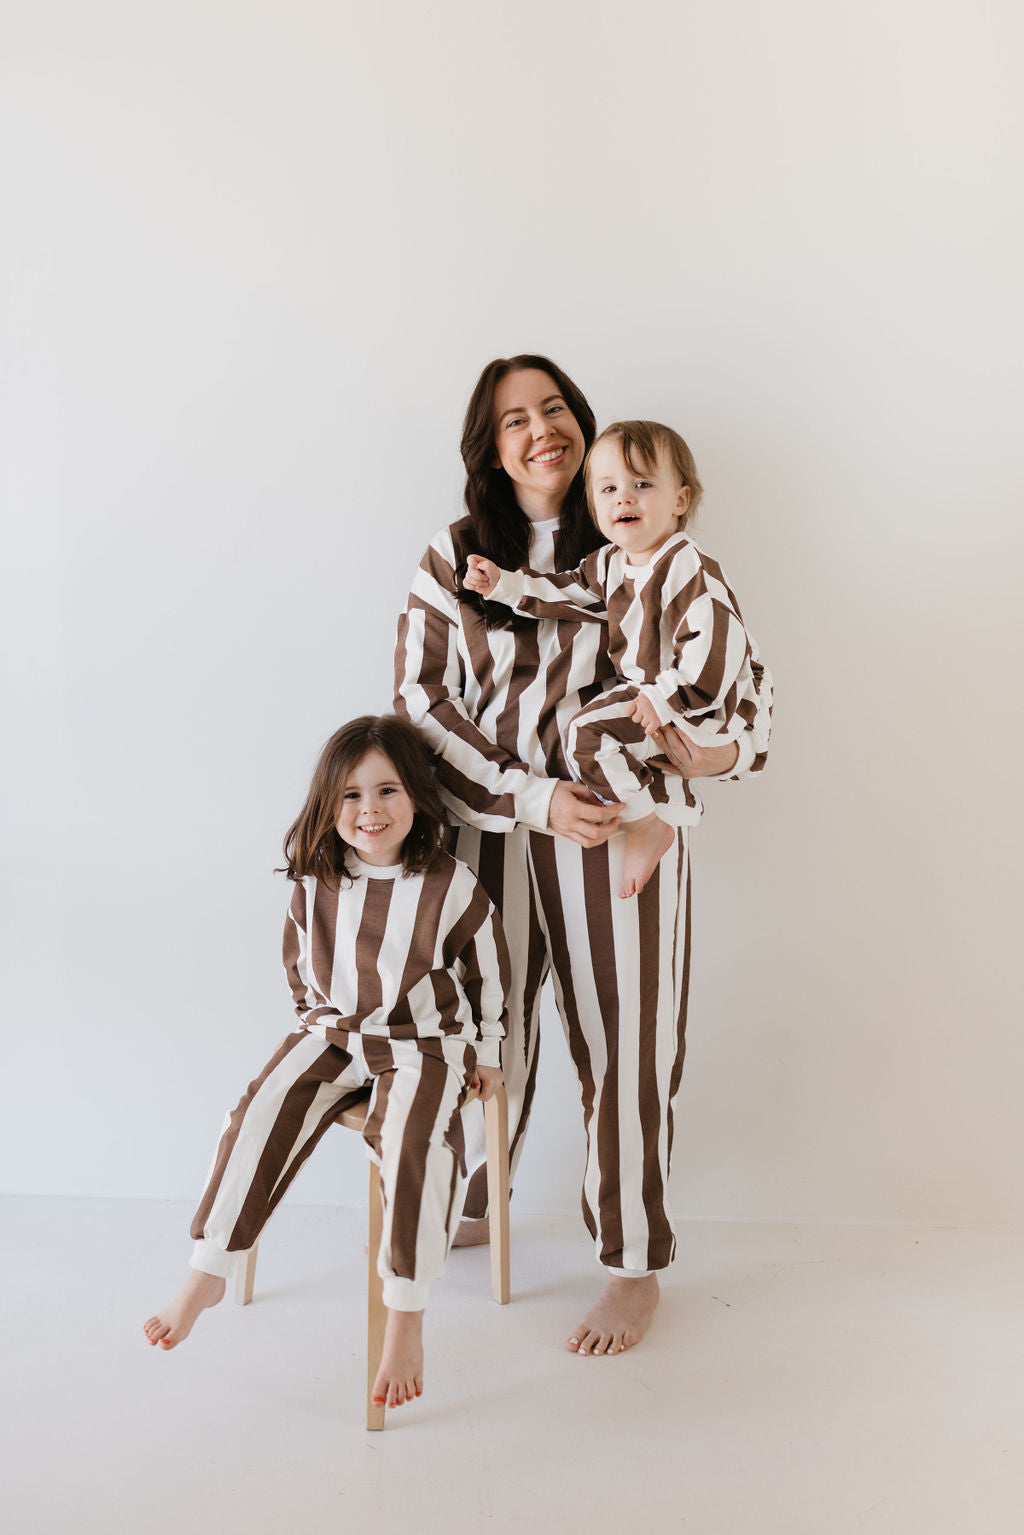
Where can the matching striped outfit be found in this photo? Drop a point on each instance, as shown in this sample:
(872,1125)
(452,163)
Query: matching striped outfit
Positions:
(399,982)
(496,705)
(675,637)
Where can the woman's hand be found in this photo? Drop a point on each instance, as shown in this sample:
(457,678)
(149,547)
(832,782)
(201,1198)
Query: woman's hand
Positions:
(481,576)
(486,1079)
(576,814)
(690,760)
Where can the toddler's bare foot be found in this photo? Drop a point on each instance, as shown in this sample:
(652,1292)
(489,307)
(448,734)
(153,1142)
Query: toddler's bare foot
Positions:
(472,1234)
(620,1318)
(647,842)
(174,1323)
(400,1376)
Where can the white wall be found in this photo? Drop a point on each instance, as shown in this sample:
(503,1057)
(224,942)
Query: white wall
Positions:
(257,255)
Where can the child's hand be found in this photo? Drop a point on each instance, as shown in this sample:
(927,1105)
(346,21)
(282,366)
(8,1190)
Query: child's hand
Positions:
(486,1079)
(645,714)
(482,575)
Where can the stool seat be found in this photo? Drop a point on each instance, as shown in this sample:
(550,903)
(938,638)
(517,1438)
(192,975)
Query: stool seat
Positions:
(354,1118)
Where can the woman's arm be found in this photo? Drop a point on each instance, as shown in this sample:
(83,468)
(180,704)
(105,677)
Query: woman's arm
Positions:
(480,783)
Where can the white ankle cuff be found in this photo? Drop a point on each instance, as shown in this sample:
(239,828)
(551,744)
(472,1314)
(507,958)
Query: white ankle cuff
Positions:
(406,1294)
(208,1258)
(630,1273)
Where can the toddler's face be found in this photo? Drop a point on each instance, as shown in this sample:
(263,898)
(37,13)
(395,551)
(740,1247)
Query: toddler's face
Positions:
(636,509)
(376,811)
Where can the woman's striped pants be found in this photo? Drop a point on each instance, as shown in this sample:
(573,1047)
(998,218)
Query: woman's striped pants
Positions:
(621,974)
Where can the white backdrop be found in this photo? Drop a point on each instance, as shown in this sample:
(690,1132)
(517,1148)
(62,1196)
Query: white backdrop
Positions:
(256,256)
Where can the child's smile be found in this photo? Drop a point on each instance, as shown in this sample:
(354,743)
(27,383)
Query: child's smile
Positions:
(376,811)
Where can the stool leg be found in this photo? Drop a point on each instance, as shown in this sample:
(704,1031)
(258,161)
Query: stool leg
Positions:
(376,1313)
(496,1129)
(245,1275)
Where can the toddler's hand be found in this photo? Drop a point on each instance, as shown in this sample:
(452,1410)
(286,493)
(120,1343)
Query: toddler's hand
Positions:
(482,575)
(486,1079)
(645,714)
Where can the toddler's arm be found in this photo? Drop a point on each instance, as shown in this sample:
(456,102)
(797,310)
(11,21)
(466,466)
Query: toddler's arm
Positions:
(482,575)
(571,594)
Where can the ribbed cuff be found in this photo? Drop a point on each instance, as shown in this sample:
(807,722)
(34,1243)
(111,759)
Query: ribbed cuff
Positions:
(533,801)
(638,806)
(488,1050)
(406,1294)
(745,742)
(208,1258)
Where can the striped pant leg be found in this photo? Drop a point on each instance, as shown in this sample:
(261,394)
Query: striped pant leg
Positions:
(414,1133)
(501,862)
(621,971)
(609,752)
(279,1120)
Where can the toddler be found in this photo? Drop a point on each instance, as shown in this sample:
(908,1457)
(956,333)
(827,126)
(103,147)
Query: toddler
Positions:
(675,634)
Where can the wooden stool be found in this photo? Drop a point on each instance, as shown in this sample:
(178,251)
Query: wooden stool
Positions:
(354,1118)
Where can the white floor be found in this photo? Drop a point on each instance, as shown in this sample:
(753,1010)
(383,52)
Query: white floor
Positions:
(799,1381)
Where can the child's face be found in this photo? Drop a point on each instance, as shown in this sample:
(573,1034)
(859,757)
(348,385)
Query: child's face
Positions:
(376,812)
(637,510)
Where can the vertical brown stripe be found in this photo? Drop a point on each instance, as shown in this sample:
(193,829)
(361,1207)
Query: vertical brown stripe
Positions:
(680,969)
(372,923)
(650,1006)
(416,1136)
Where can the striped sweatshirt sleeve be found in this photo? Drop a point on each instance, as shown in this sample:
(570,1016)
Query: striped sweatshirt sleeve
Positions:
(483,967)
(571,594)
(481,783)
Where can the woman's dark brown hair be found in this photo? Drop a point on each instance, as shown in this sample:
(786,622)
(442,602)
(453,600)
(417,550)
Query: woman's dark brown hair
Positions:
(312,844)
(501,529)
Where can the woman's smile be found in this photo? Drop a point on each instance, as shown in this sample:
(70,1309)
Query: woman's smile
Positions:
(537,441)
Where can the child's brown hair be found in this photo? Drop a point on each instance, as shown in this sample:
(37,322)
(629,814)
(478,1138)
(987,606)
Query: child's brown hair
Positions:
(641,443)
(312,844)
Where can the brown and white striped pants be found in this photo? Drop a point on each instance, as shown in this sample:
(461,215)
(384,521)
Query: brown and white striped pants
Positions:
(621,976)
(413,1132)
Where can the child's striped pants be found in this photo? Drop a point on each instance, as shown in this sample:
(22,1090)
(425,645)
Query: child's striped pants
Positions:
(413,1131)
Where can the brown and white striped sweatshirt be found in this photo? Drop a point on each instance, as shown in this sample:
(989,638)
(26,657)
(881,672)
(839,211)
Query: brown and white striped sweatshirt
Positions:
(409,956)
(674,630)
(495,703)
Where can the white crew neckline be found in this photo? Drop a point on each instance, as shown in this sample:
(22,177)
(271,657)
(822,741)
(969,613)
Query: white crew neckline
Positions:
(356,866)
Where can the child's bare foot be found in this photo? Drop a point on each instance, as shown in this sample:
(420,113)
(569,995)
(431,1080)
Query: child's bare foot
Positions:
(400,1376)
(620,1318)
(647,842)
(472,1233)
(174,1323)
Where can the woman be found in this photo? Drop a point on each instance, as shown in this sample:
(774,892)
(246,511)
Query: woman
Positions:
(493,694)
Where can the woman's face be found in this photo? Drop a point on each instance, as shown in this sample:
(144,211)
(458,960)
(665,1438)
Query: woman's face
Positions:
(537,441)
